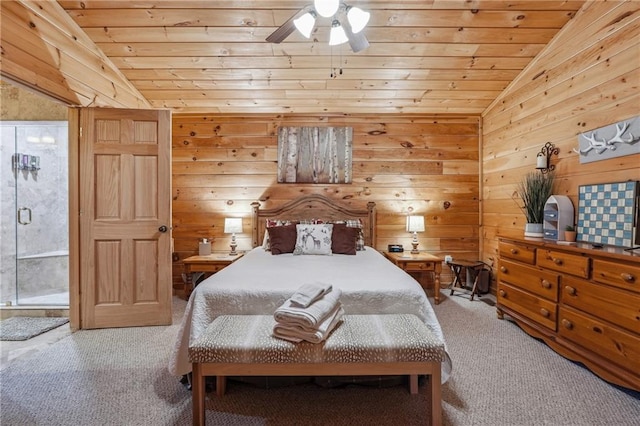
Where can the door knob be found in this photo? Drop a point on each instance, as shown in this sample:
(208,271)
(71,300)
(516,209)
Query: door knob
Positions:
(163,229)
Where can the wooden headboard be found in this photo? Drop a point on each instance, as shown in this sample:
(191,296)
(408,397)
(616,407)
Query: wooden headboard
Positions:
(313,207)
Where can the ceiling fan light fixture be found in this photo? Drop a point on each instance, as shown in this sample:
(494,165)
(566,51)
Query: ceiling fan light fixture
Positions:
(326,8)
(347,23)
(305,23)
(337,35)
(358,18)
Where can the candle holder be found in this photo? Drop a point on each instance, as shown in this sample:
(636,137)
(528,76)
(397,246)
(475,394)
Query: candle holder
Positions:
(543,159)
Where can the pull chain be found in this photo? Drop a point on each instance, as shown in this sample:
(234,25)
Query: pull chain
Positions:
(332,70)
(331,64)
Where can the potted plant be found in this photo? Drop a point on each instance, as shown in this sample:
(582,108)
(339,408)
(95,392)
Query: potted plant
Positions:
(534,190)
(570,233)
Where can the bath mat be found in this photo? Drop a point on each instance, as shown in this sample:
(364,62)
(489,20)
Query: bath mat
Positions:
(23,328)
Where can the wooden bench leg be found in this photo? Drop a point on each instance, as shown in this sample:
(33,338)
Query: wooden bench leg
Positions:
(413,384)
(434,389)
(197,395)
(221,385)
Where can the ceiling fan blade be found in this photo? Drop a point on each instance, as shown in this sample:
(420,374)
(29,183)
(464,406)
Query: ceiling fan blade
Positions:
(285,29)
(357,41)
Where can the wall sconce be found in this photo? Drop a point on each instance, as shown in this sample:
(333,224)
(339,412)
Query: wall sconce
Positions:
(415,224)
(231,226)
(543,159)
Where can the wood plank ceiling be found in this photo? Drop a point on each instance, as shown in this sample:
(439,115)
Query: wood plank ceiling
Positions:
(426,56)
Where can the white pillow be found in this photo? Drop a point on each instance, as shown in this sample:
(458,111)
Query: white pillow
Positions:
(313,239)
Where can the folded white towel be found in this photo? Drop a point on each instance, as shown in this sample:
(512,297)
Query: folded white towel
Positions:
(310,316)
(309,293)
(297,334)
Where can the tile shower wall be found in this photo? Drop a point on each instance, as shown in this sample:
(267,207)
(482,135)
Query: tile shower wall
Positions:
(42,245)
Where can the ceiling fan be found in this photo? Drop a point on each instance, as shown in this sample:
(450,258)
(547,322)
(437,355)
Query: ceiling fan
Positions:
(347,23)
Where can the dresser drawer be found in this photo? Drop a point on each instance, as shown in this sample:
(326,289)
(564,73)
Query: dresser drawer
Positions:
(617,274)
(609,342)
(529,278)
(542,311)
(619,307)
(564,262)
(518,252)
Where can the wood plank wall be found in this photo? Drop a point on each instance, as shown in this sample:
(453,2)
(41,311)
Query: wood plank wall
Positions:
(425,164)
(44,49)
(586,78)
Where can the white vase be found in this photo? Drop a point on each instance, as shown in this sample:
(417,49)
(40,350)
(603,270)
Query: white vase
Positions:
(533,230)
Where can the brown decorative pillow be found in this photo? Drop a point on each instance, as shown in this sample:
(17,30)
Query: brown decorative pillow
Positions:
(282,239)
(343,239)
(271,223)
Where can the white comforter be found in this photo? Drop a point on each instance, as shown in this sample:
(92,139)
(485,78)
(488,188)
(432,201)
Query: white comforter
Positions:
(260,282)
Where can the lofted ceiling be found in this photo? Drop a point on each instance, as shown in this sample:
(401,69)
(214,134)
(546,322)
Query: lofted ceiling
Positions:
(425,56)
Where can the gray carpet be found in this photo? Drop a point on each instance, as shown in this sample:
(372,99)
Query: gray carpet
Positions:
(501,377)
(24,328)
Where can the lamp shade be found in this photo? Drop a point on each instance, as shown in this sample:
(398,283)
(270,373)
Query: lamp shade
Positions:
(232,225)
(305,23)
(415,223)
(337,35)
(326,8)
(358,18)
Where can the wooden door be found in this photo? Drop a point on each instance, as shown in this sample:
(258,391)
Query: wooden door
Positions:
(124,223)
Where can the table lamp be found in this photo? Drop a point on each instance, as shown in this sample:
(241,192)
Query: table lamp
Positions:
(415,224)
(231,226)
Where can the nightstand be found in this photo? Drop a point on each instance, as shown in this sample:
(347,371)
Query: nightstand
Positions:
(209,264)
(418,264)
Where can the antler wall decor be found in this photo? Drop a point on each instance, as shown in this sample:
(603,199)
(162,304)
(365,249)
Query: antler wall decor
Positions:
(623,137)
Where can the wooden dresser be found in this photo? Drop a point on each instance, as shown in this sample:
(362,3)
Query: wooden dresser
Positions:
(582,301)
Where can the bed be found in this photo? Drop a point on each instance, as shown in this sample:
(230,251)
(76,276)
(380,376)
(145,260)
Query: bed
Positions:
(260,281)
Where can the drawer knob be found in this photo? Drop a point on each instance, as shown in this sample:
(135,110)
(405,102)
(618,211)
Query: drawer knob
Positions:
(546,284)
(557,261)
(570,290)
(502,293)
(503,269)
(514,251)
(544,312)
(628,278)
(567,324)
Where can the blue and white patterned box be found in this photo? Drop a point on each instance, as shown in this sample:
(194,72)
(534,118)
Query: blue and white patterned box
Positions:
(606,213)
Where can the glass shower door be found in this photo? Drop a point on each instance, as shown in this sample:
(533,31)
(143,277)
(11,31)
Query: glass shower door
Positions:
(8,216)
(40,210)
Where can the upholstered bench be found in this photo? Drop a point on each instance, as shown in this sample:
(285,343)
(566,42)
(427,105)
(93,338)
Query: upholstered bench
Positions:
(243,345)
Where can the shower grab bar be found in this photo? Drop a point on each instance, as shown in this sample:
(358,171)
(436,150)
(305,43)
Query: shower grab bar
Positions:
(20,210)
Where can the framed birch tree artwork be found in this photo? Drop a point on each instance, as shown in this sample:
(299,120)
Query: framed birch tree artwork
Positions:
(314,154)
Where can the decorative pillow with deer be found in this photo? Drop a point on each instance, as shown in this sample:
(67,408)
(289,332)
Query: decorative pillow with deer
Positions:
(313,239)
